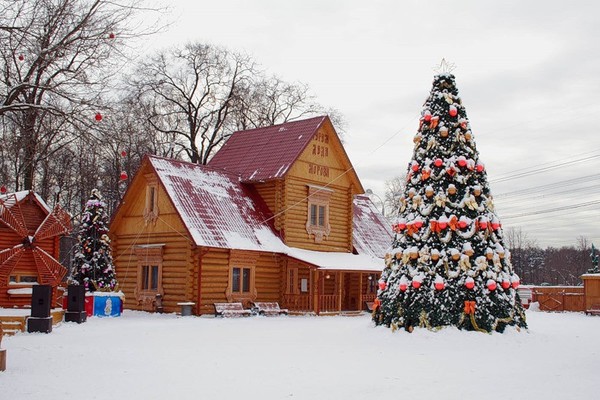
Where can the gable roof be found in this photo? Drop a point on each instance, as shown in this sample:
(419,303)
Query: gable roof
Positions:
(371,232)
(266,153)
(216,208)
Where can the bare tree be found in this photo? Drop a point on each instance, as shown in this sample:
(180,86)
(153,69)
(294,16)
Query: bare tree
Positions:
(196,96)
(394,188)
(57,57)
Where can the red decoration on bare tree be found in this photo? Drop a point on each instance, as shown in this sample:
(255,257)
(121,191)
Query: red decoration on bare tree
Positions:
(3,189)
(111,35)
(21,57)
(123,153)
(98,117)
(123,176)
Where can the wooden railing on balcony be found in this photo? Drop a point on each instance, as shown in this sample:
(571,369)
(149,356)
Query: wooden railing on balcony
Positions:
(297,302)
(369,297)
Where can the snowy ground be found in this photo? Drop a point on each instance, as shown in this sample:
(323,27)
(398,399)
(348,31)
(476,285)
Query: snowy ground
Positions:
(145,356)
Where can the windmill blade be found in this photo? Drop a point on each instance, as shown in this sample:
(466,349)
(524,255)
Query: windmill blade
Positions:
(11,215)
(8,259)
(50,271)
(58,222)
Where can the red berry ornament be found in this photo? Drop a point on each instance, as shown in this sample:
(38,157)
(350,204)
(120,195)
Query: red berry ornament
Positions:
(469,283)
(21,57)
(123,153)
(111,35)
(123,176)
(3,189)
(98,117)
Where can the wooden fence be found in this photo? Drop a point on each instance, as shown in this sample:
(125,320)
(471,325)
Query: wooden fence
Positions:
(559,298)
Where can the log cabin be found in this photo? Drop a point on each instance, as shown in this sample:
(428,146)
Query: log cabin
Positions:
(30,234)
(278,215)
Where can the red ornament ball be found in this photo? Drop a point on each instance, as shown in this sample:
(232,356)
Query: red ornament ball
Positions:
(123,176)
(3,189)
(123,153)
(415,167)
(382,285)
(470,283)
(462,224)
(427,116)
(403,287)
(98,117)
(453,111)
(416,284)
(439,285)
(21,57)
(505,284)
(479,167)
(442,224)
(111,35)
(483,225)
(491,285)
(462,162)
(495,225)
(418,224)
(438,162)
(515,284)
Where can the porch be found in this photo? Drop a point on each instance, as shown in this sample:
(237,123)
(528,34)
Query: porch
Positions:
(330,291)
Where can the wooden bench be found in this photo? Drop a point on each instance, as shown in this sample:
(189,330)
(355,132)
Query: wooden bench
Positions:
(231,310)
(269,309)
(595,310)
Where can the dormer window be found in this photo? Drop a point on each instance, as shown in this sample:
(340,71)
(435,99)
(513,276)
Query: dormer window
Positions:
(318,212)
(151,208)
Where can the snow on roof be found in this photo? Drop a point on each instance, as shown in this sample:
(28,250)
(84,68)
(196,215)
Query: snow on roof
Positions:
(20,196)
(218,210)
(266,153)
(337,261)
(371,232)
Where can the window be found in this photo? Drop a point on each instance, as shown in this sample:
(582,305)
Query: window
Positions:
(151,207)
(372,284)
(23,279)
(149,273)
(292,283)
(241,285)
(149,277)
(240,280)
(318,212)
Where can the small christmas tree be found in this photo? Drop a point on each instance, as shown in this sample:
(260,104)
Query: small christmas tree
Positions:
(594,257)
(448,266)
(93,264)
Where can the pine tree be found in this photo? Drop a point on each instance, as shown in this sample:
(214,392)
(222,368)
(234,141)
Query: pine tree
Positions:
(448,266)
(93,264)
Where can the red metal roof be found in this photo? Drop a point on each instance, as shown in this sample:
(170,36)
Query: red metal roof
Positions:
(371,232)
(216,208)
(266,153)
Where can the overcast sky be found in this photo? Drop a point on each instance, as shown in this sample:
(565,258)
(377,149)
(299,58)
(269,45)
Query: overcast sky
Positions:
(527,72)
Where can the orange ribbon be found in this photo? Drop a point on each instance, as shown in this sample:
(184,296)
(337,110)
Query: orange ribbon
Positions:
(435,226)
(453,222)
(469,307)
(411,229)
(425,174)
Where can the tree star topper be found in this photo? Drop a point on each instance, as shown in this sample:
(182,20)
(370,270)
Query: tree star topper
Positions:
(444,67)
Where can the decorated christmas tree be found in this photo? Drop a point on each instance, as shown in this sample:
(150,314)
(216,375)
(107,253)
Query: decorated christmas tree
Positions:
(448,265)
(93,264)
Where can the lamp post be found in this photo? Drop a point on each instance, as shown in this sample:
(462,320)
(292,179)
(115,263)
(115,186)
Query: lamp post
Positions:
(370,193)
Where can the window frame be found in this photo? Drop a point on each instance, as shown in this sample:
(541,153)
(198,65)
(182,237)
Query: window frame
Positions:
(242,261)
(318,212)
(150,257)
(151,199)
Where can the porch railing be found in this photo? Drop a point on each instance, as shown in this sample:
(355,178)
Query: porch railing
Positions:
(297,302)
(329,302)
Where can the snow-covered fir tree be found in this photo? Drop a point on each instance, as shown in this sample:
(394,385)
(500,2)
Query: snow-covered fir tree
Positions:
(448,265)
(93,265)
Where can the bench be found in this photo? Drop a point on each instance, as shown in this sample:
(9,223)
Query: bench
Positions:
(269,309)
(231,310)
(595,310)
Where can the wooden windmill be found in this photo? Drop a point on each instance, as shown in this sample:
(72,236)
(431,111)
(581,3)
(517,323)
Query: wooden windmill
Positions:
(29,245)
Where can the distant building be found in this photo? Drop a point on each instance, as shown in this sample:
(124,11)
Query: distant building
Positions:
(277,215)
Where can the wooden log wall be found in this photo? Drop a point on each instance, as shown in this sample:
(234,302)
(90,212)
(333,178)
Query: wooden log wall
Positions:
(559,298)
